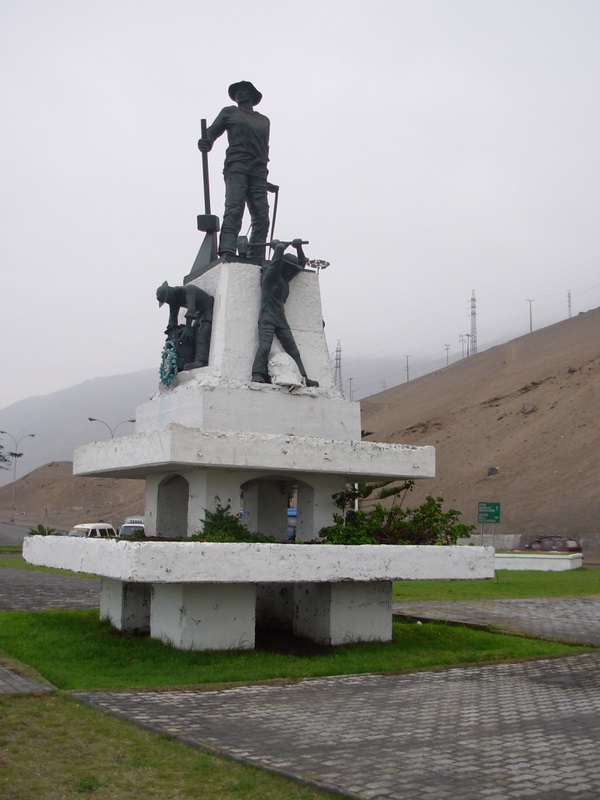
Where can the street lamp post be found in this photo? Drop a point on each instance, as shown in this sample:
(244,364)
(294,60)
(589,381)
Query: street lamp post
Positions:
(15,454)
(112,436)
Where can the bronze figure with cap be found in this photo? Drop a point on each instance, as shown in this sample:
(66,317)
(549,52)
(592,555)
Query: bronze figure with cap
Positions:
(275,288)
(192,340)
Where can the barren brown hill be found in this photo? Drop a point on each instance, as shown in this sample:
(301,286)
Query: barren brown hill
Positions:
(517,424)
(53,495)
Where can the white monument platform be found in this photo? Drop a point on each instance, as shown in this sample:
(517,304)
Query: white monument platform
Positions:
(216,438)
(209,596)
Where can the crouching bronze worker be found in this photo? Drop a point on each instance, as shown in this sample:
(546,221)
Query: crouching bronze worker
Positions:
(275,288)
(192,340)
(245,169)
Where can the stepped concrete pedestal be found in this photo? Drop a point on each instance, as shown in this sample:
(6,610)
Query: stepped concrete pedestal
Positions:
(215,438)
(209,596)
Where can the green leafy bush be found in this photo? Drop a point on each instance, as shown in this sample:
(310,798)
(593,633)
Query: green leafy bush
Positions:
(427,524)
(223,526)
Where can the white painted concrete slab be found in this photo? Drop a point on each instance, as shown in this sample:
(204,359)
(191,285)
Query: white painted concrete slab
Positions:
(210,562)
(543,562)
(179,448)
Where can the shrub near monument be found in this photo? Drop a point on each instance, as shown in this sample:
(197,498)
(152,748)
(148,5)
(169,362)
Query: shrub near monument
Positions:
(425,525)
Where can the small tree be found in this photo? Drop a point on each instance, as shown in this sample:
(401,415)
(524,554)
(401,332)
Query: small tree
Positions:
(41,530)
(427,524)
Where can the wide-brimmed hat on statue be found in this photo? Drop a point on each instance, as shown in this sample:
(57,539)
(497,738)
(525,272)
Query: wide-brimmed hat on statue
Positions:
(161,294)
(255,95)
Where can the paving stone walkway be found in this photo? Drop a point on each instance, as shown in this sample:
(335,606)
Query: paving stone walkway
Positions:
(12,682)
(500,732)
(573,619)
(35,590)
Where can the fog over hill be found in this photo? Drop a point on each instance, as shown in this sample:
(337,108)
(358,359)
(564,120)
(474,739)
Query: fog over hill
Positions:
(60,420)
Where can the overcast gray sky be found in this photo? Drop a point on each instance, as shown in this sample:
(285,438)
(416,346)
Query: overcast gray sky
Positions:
(426,148)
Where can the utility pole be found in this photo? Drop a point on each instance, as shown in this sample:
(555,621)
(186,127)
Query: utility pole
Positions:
(407,372)
(350,389)
(461,339)
(473,323)
(569,302)
(447,346)
(527,300)
(468,338)
(337,375)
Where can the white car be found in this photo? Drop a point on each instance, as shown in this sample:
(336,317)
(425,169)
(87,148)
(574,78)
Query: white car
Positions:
(93,530)
(132,528)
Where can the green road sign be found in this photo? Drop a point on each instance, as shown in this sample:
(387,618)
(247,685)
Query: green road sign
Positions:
(488,512)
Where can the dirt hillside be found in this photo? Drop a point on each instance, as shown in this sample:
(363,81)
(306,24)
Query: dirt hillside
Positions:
(52,493)
(518,424)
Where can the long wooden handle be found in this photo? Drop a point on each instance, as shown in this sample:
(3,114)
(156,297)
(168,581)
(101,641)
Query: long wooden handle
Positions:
(205,171)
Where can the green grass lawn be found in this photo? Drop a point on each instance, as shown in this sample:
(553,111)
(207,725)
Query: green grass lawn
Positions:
(506,584)
(54,747)
(14,560)
(74,650)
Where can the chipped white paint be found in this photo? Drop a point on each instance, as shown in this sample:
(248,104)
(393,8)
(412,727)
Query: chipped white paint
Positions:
(211,562)
(184,448)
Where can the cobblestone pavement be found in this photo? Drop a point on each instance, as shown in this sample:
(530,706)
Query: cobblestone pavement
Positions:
(566,619)
(13,683)
(498,732)
(34,590)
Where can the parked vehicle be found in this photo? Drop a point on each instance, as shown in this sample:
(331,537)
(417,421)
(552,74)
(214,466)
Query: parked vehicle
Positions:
(554,544)
(132,528)
(93,530)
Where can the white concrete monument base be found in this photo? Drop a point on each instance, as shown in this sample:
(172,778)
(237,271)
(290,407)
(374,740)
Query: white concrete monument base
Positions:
(542,562)
(203,595)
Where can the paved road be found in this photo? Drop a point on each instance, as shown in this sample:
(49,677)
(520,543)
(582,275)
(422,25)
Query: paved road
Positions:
(499,732)
(12,534)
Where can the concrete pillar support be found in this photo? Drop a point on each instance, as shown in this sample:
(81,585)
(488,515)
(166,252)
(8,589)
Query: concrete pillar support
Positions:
(213,616)
(125,605)
(341,613)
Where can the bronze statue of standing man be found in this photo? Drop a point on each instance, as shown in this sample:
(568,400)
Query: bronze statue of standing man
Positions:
(245,169)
